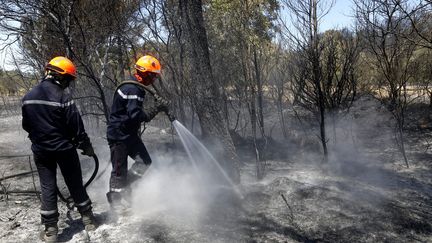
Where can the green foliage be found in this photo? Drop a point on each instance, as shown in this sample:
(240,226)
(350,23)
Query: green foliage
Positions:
(14,82)
(250,20)
(236,30)
(423,68)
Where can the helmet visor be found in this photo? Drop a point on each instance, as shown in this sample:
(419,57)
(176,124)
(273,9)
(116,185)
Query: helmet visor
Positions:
(55,68)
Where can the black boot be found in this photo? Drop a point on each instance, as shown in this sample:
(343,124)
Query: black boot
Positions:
(49,234)
(114,198)
(89,220)
(136,172)
(120,202)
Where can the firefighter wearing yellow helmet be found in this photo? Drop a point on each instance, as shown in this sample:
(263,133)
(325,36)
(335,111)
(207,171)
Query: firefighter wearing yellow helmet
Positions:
(126,116)
(56,130)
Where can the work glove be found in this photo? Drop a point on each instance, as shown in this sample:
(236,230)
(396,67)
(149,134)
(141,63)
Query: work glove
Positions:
(161,104)
(87,149)
(150,113)
(171,117)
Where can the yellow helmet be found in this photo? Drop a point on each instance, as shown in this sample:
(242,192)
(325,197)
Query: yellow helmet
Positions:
(62,65)
(148,64)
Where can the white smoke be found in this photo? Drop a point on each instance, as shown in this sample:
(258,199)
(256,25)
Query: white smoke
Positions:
(170,187)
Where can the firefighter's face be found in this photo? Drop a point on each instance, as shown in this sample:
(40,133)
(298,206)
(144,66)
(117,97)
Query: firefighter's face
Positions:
(67,81)
(147,78)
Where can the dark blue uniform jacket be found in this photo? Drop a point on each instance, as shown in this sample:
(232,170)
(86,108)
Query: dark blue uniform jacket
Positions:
(127,113)
(52,119)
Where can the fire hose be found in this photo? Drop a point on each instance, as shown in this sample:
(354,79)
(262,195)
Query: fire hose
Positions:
(69,202)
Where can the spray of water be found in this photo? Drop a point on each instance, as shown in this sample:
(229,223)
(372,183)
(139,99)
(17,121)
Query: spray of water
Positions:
(185,191)
(199,154)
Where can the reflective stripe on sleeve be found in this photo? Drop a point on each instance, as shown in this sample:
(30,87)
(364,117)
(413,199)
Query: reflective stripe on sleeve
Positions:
(45,102)
(129,97)
(68,103)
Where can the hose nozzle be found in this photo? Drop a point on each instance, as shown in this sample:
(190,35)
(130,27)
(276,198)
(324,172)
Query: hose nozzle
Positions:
(171,117)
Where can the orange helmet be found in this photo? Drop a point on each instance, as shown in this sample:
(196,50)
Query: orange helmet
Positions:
(62,65)
(148,64)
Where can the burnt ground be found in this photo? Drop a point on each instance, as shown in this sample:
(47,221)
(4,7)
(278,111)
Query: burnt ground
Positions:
(365,193)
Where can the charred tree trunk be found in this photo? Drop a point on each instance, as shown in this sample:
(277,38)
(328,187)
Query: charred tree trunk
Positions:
(315,59)
(259,94)
(280,94)
(253,119)
(260,116)
(207,93)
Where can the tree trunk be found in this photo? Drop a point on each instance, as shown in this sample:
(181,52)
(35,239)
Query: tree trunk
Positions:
(402,146)
(280,94)
(259,94)
(260,116)
(317,77)
(253,119)
(207,95)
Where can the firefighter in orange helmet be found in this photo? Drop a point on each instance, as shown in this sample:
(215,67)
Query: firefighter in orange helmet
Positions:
(56,130)
(126,116)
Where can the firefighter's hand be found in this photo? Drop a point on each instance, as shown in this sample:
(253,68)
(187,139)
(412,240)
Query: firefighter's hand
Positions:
(161,104)
(87,149)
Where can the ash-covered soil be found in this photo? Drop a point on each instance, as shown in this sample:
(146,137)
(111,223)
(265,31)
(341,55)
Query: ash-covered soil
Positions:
(365,193)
